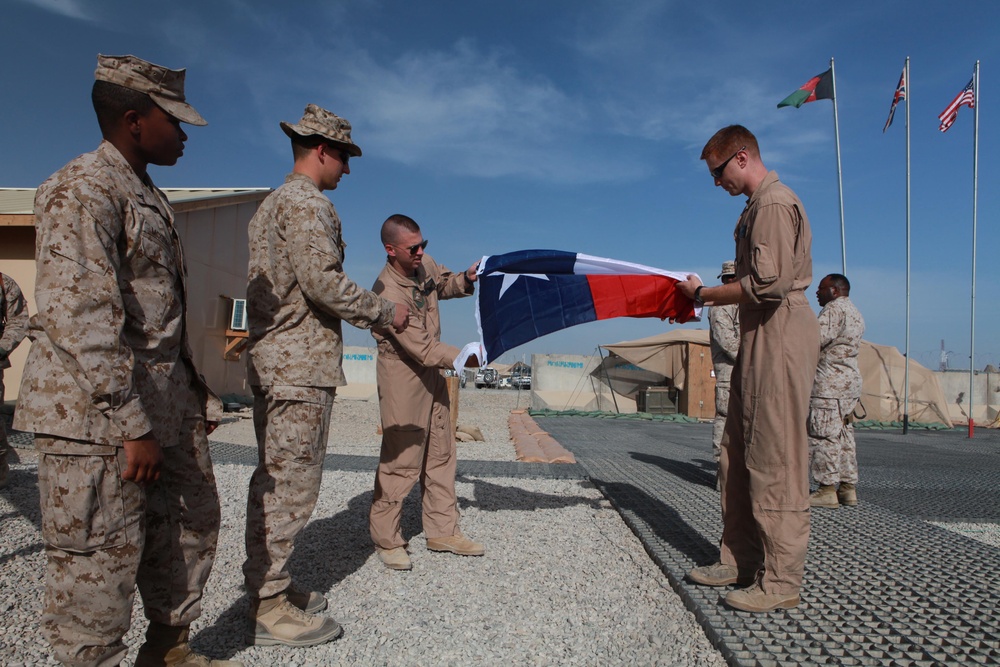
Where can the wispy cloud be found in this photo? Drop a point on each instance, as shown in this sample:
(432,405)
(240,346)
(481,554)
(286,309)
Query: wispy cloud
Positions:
(68,8)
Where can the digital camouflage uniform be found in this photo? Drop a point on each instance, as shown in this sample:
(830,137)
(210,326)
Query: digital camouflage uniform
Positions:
(764,469)
(417,439)
(724,342)
(13,326)
(835,393)
(297,296)
(110,361)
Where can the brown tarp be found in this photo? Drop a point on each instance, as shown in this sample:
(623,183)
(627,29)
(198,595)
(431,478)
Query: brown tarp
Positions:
(882,375)
(664,353)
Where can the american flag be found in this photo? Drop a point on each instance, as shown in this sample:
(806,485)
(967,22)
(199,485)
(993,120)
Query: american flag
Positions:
(967,98)
(900,95)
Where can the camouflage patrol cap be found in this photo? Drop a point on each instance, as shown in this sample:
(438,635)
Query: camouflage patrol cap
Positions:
(317,121)
(728,269)
(164,86)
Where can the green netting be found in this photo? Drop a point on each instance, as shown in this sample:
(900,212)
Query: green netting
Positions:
(871,423)
(597,414)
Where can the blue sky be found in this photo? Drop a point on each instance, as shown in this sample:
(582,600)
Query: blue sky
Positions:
(568,125)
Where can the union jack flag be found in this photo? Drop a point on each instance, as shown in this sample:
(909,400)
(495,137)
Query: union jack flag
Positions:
(965,98)
(900,95)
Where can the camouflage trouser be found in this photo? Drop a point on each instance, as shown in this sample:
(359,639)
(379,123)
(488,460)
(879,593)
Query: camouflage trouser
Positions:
(104,536)
(721,410)
(3,423)
(292,425)
(831,441)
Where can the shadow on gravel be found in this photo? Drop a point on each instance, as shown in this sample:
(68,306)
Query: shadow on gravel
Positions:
(326,552)
(645,513)
(496,497)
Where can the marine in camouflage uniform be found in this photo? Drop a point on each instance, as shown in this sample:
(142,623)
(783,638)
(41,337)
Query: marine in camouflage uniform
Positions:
(724,342)
(13,326)
(128,494)
(418,442)
(836,392)
(297,296)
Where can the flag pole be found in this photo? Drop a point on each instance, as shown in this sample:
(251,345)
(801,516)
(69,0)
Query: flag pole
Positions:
(975,197)
(906,367)
(840,179)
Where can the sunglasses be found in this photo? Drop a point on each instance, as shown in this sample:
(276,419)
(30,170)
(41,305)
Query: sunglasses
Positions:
(412,248)
(344,156)
(717,172)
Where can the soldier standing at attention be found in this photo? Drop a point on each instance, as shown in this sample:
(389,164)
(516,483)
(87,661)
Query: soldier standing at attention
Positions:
(297,296)
(724,342)
(418,442)
(13,326)
(764,466)
(835,393)
(120,414)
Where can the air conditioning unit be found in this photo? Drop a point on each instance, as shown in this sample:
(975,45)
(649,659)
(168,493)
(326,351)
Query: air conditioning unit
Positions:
(238,317)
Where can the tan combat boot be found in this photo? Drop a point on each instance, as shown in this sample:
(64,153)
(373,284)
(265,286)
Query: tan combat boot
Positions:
(168,645)
(824,496)
(277,621)
(456,544)
(847,494)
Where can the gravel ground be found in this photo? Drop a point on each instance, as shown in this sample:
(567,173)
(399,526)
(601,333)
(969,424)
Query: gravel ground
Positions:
(563,582)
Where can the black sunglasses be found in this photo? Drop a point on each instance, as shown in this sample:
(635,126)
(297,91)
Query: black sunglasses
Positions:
(717,172)
(413,248)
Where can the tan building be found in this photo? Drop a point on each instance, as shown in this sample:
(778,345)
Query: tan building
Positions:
(212,223)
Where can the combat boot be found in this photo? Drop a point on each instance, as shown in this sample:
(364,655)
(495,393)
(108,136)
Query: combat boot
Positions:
(167,645)
(311,602)
(456,544)
(847,494)
(277,621)
(756,600)
(824,496)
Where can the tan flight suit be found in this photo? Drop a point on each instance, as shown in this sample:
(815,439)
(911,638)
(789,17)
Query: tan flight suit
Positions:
(13,326)
(764,468)
(110,361)
(836,391)
(297,296)
(417,438)
(724,342)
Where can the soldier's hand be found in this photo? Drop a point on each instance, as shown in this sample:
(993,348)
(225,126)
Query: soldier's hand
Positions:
(210,426)
(144,458)
(402,318)
(471,274)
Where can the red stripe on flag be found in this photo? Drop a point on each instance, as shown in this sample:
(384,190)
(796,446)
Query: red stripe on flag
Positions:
(638,296)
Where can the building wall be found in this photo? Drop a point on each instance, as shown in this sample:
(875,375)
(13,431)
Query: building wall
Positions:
(17,260)
(216,249)
(986,401)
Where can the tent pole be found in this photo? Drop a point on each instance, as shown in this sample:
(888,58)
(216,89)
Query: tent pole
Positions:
(608,377)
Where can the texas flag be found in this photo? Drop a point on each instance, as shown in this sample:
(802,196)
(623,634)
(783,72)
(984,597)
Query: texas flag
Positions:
(529,293)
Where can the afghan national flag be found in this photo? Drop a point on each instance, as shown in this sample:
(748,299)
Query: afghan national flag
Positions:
(529,293)
(820,87)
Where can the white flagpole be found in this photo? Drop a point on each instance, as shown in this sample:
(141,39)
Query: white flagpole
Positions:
(975,198)
(840,180)
(906,368)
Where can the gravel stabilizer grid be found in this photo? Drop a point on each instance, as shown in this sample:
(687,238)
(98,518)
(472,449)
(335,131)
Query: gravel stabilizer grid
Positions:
(882,586)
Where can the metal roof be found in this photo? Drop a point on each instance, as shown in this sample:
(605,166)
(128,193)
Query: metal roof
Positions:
(20,201)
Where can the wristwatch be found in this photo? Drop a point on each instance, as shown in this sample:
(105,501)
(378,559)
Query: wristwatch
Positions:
(697,294)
